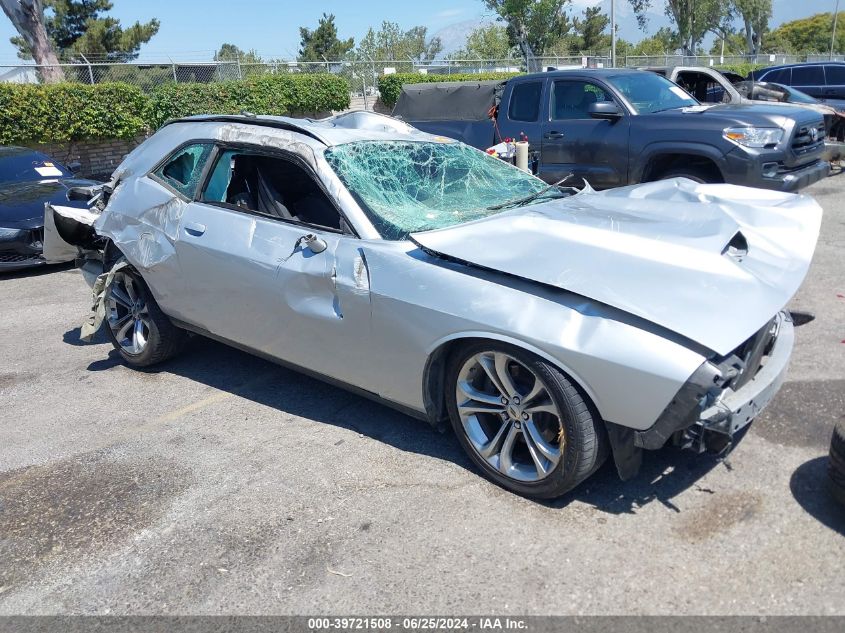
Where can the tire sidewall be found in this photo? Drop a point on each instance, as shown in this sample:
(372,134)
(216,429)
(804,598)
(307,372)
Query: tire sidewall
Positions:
(563,477)
(154,338)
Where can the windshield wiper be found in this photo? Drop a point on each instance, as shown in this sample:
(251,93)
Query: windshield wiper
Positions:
(526,199)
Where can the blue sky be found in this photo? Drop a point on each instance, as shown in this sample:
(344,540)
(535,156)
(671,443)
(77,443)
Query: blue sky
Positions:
(194,29)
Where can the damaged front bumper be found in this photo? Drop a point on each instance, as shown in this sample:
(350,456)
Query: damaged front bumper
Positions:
(736,409)
(717,402)
(727,396)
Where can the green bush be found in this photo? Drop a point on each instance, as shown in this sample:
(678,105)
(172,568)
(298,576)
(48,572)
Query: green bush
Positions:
(390,86)
(55,113)
(741,69)
(266,94)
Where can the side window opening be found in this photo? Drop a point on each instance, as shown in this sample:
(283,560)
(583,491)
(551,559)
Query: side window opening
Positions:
(271,186)
(183,170)
(525,101)
(572,99)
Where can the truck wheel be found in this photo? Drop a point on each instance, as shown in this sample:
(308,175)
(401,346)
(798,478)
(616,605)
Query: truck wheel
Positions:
(836,467)
(697,174)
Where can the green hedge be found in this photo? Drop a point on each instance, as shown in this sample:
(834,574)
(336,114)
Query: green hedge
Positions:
(390,86)
(57,113)
(69,112)
(741,69)
(269,94)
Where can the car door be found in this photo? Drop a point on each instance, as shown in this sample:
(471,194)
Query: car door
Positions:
(574,142)
(835,81)
(262,276)
(809,79)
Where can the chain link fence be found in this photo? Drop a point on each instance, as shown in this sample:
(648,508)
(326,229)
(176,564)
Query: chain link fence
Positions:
(362,74)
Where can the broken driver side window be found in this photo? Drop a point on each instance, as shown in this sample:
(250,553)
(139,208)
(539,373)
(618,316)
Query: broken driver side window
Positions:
(270,186)
(182,171)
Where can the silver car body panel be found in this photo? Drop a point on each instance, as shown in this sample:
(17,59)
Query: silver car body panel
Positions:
(374,313)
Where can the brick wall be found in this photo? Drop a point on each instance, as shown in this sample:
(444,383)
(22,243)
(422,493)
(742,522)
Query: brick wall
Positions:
(98,157)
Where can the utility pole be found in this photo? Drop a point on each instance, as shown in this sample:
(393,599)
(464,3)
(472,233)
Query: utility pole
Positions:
(613,33)
(833,37)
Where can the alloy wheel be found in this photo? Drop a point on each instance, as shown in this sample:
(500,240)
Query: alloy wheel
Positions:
(127,314)
(509,416)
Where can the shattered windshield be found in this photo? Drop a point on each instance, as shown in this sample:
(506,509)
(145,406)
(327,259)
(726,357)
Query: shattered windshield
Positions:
(410,186)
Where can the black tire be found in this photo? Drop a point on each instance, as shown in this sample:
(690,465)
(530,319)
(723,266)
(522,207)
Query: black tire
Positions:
(163,341)
(583,433)
(702,175)
(836,466)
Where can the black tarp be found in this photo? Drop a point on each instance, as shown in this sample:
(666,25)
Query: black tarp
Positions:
(448,100)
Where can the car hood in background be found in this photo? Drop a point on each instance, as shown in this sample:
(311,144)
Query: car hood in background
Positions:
(22,202)
(713,263)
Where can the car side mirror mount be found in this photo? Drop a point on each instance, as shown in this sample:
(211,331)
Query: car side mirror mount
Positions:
(605,110)
(74,167)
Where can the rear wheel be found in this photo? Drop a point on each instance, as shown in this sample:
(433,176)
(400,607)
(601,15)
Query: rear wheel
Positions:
(138,329)
(522,421)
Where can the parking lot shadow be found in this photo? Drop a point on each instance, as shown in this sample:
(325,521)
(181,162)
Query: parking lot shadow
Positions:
(809,486)
(664,475)
(37,271)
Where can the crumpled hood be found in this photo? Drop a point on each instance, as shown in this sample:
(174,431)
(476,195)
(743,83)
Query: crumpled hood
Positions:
(672,252)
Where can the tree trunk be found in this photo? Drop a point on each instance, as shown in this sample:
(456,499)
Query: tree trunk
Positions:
(524,45)
(27,16)
(749,37)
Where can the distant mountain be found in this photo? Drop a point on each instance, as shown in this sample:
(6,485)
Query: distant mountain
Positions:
(454,36)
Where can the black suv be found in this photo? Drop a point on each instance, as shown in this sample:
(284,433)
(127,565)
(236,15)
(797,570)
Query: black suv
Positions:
(822,80)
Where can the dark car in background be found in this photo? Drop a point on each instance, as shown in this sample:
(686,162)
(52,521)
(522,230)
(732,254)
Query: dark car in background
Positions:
(833,110)
(28,180)
(822,80)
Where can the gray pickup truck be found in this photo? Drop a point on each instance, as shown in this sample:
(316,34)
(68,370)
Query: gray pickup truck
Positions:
(616,127)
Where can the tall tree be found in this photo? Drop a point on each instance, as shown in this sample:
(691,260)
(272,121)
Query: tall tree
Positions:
(391,43)
(590,29)
(755,15)
(27,17)
(692,18)
(78,27)
(533,25)
(487,42)
(231,53)
(807,35)
(322,43)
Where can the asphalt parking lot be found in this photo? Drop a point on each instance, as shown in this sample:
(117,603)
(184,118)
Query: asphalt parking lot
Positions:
(221,483)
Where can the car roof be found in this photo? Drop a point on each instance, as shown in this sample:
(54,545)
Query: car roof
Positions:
(827,63)
(335,130)
(584,72)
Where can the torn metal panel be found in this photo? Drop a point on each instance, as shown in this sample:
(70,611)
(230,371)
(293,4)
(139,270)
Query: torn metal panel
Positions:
(661,251)
(101,289)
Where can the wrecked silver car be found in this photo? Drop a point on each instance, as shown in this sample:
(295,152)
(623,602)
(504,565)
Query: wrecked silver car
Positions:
(550,327)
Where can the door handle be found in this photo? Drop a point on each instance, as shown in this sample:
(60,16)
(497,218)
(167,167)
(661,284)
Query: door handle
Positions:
(552,136)
(192,228)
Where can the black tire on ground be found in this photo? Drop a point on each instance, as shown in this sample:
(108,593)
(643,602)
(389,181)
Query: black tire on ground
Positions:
(697,174)
(164,339)
(584,436)
(836,466)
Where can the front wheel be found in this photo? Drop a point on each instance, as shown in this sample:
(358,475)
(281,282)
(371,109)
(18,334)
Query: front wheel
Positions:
(138,329)
(522,421)
(703,175)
